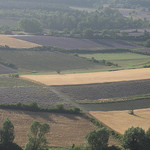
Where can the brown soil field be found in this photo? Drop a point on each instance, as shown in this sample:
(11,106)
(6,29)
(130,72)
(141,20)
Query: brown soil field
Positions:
(15,43)
(122,120)
(65,129)
(89,78)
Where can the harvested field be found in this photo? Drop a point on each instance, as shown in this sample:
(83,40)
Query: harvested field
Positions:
(15,43)
(89,78)
(6,70)
(106,90)
(73,43)
(41,95)
(65,129)
(122,120)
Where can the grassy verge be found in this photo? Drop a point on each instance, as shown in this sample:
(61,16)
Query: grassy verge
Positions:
(110,100)
(6,82)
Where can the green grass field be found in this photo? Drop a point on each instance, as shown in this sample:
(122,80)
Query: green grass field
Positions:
(44,61)
(124,60)
(6,81)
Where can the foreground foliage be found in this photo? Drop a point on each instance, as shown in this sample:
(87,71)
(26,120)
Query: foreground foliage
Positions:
(36,138)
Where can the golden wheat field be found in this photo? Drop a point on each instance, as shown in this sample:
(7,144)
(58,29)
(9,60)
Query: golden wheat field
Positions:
(15,43)
(122,120)
(89,78)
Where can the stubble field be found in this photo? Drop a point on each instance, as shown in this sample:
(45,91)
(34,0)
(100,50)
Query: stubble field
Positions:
(122,120)
(89,78)
(15,43)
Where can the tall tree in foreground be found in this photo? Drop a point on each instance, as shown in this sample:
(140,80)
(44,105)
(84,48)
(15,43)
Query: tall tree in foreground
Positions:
(36,137)
(7,136)
(98,139)
(134,139)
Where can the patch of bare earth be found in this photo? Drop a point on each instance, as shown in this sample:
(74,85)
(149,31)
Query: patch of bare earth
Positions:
(15,43)
(89,78)
(66,129)
(122,120)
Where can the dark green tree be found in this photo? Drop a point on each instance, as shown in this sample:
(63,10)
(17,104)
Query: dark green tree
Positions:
(134,139)
(36,137)
(98,139)
(7,136)
(30,25)
(7,132)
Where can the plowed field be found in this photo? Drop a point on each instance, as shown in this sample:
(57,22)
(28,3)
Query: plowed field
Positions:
(65,129)
(89,78)
(122,120)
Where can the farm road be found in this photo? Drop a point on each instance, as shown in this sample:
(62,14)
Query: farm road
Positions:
(66,98)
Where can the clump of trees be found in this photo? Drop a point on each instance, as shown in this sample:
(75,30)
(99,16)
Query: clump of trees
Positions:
(36,137)
(30,25)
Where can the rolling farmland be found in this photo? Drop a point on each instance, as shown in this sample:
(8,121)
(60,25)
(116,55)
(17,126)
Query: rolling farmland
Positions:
(45,61)
(73,43)
(66,129)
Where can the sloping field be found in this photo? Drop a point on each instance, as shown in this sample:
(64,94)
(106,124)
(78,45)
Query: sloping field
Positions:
(106,90)
(89,78)
(6,82)
(5,70)
(73,43)
(43,96)
(122,120)
(15,43)
(124,60)
(65,129)
(46,61)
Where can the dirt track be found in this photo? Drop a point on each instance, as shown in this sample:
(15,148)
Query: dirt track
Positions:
(89,78)
(122,120)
